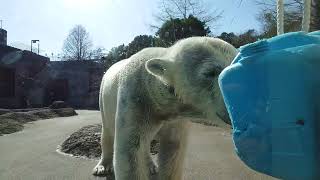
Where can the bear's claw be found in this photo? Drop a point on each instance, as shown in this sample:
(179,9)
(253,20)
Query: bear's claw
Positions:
(101,170)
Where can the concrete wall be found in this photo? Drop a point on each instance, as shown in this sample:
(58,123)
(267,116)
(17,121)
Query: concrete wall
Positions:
(82,79)
(3,37)
(38,82)
(25,66)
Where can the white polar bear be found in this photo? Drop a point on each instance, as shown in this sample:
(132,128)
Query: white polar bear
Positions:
(146,94)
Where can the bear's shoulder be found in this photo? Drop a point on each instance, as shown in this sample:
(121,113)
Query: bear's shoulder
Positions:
(149,53)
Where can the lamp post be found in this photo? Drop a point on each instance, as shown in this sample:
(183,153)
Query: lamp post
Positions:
(35,41)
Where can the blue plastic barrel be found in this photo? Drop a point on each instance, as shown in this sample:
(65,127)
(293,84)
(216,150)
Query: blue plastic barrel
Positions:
(272,93)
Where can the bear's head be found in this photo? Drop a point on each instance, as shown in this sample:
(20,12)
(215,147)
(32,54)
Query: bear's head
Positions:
(191,67)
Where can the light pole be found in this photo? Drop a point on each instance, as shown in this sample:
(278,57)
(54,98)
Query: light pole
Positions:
(35,41)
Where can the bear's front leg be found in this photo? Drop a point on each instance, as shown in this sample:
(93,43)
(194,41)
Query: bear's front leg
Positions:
(132,135)
(129,156)
(173,141)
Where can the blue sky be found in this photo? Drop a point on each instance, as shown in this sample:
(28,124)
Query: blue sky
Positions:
(109,22)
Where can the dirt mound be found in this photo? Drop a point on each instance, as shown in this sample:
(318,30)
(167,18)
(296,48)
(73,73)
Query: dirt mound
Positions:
(4,111)
(20,117)
(13,121)
(52,113)
(86,142)
(58,105)
(8,126)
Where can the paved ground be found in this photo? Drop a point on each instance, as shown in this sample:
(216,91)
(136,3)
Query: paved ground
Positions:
(31,154)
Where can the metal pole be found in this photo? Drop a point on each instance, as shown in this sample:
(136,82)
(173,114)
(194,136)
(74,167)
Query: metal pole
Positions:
(306,16)
(31,45)
(280,17)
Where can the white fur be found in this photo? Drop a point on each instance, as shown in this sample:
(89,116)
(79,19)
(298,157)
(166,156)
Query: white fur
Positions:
(147,94)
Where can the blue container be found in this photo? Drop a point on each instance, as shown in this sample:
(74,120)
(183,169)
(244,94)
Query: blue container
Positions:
(272,93)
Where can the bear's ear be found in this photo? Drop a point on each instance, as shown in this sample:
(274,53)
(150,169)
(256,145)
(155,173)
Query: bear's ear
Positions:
(159,68)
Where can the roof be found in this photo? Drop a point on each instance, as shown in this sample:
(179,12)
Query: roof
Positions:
(10,56)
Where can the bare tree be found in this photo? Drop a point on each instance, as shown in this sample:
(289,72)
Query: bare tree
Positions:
(171,9)
(315,15)
(293,10)
(98,53)
(268,4)
(78,44)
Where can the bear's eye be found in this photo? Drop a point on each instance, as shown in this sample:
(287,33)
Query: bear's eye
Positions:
(171,90)
(211,74)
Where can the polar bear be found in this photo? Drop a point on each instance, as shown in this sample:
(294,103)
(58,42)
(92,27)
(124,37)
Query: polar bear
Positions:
(150,93)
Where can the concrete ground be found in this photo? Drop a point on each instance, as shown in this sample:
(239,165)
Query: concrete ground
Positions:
(31,154)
